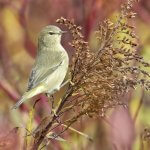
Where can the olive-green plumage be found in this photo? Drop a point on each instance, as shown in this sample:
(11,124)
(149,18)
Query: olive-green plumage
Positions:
(50,67)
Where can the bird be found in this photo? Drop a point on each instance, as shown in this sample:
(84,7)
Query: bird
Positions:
(50,66)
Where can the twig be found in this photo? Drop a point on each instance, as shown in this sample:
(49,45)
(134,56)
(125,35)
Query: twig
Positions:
(39,138)
(138,108)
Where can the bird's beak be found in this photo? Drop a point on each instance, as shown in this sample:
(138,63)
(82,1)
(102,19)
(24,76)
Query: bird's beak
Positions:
(62,32)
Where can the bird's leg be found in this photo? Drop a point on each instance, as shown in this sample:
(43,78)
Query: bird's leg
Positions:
(53,111)
(66,82)
(52,102)
(48,96)
(52,96)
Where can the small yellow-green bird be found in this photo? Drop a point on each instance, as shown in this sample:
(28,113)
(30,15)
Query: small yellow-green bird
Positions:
(50,67)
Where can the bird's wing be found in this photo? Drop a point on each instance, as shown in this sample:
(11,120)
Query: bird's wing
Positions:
(40,72)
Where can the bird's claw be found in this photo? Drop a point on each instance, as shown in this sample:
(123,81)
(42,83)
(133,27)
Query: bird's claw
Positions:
(71,83)
(54,112)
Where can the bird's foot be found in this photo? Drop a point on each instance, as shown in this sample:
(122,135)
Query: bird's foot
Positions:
(71,83)
(53,112)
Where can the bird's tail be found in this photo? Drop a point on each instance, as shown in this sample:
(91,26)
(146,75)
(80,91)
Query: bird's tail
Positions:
(28,95)
(19,103)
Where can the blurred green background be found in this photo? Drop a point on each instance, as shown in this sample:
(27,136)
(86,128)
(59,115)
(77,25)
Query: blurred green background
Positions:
(20,22)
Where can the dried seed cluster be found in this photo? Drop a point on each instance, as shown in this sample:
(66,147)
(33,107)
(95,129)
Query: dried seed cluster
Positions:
(101,78)
(146,134)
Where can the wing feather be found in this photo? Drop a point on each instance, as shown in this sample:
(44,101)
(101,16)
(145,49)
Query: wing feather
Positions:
(44,68)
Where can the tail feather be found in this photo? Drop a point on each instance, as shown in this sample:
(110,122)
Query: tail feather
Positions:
(18,103)
(39,89)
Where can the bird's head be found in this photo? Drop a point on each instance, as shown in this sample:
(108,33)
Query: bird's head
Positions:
(50,35)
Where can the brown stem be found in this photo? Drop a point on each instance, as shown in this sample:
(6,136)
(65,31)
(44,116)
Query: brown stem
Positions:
(39,138)
(138,108)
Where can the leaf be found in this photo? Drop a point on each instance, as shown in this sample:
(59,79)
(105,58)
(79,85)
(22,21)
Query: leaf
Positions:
(52,135)
(78,132)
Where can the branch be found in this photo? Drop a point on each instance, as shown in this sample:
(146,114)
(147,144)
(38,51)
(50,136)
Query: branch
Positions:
(39,138)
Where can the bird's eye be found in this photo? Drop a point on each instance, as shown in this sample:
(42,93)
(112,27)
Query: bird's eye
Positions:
(51,33)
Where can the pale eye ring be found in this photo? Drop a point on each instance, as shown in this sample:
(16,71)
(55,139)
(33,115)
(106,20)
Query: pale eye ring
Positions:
(51,33)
